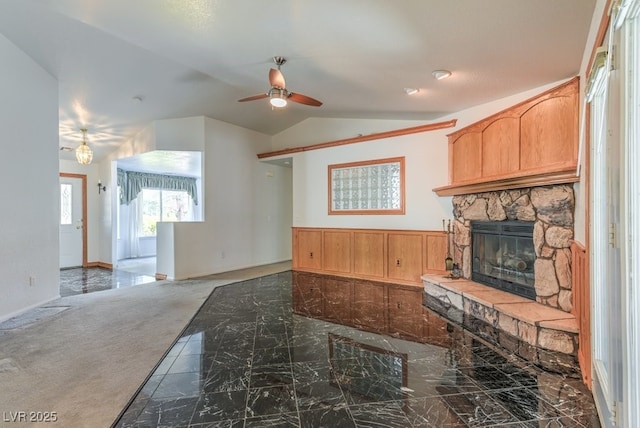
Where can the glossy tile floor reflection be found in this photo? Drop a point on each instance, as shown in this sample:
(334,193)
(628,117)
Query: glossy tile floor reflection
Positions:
(292,350)
(88,280)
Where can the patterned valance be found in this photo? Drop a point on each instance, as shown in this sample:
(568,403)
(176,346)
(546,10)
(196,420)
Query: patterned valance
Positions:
(132,182)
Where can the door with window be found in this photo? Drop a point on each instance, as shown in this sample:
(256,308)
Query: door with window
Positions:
(605,241)
(72,220)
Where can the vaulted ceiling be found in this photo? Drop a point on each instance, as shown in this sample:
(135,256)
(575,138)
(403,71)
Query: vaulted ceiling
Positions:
(122,64)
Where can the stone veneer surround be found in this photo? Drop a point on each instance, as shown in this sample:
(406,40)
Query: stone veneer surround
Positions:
(551,208)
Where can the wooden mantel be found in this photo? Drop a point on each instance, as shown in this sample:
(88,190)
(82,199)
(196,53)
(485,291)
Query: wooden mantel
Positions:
(534,143)
(510,182)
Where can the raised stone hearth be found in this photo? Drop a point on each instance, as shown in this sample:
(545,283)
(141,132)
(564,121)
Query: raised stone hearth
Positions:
(545,336)
(551,208)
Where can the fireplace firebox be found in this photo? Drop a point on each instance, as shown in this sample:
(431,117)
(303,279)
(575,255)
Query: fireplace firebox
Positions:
(503,256)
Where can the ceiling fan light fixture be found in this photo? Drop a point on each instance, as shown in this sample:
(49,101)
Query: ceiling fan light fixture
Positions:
(84,154)
(277,97)
(441,74)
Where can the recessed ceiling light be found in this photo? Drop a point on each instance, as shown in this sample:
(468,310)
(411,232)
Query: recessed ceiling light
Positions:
(441,74)
(411,91)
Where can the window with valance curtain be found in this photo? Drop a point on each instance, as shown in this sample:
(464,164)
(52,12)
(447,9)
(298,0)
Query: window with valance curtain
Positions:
(132,182)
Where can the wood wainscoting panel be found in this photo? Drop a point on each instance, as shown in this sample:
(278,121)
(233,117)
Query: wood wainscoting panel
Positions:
(368,253)
(336,251)
(309,248)
(405,256)
(435,252)
(582,308)
(400,256)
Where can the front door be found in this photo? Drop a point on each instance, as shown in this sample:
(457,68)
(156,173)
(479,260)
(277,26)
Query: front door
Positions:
(72,220)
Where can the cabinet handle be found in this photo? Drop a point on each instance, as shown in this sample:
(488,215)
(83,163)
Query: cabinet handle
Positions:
(398,305)
(311,255)
(398,262)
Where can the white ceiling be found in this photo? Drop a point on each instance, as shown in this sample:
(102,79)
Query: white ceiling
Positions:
(198,57)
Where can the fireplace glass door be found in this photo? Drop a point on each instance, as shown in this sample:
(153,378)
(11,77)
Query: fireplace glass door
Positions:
(503,256)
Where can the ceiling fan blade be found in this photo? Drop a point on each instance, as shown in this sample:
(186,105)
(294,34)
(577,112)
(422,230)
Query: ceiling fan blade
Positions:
(303,99)
(276,79)
(254,97)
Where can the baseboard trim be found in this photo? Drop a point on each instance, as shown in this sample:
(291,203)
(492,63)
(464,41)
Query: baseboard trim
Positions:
(100,265)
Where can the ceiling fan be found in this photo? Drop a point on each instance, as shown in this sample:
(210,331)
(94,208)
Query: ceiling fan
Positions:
(278,94)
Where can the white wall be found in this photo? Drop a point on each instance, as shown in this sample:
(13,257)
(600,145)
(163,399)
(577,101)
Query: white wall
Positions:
(273,201)
(426,166)
(165,256)
(237,190)
(30,195)
(320,130)
(185,134)
(247,208)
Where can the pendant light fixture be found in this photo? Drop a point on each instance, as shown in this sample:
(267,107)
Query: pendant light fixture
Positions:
(84,154)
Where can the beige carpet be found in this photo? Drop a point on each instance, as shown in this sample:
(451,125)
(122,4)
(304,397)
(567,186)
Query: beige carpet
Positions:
(84,363)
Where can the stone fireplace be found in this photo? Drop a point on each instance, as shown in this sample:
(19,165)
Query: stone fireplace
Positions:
(543,331)
(551,211)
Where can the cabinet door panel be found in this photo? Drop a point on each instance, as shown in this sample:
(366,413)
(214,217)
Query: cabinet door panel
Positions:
(548,134)
(405,257)
(368,254)
(310,249)
(501,147)
(336,252)
(467,157)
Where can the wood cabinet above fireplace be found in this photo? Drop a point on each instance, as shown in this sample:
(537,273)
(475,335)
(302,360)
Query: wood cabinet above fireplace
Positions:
(533,143)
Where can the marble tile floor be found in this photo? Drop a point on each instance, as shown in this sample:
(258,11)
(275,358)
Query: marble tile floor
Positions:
(88,280)
(248,359)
